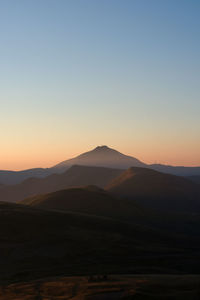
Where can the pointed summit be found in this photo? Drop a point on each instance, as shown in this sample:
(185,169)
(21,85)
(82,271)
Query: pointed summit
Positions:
(102,156)
(102,148)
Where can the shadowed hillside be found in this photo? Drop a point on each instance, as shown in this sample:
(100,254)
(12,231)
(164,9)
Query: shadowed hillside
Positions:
(75,176)
(37,243)
(95,201)
(90,200)
(195,179)
(157,190)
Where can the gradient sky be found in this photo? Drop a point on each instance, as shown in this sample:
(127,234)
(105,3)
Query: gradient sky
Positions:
(75,74)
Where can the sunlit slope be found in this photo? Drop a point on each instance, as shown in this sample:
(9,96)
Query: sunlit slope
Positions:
(90,200)
(157,190)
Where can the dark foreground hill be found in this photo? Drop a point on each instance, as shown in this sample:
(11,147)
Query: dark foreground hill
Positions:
(88,200)
(37,243)
(75,176)
(195,179)
(157,190)
(94,201)
(117,287)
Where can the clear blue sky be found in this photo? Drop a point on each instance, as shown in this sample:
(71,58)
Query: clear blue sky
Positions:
(78,73)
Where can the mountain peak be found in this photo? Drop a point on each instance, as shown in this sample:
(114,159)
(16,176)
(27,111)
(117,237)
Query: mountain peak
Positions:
(102,156)
(102,148)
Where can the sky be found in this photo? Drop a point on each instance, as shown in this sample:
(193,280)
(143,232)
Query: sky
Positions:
(75,74)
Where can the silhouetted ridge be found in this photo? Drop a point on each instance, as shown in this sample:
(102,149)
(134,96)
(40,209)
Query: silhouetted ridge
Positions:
(15,177)
(177,170)
(89,200)
(74,176)
(157,190)
(102,156)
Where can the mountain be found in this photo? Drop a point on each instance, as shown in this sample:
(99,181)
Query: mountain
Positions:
(15,177)
(176,170)
(101,156)
(88,200)
(75,176)
(38,243)
(106,157)
(157,190)
(94,201)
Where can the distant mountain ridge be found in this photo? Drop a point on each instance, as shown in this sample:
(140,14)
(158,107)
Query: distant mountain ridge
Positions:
(74,176)
(148,187)
(15,177)
(176,170)
(101,156)
(157,190)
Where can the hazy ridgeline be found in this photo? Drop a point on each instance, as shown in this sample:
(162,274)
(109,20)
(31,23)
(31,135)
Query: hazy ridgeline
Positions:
(86,220)
(101,225)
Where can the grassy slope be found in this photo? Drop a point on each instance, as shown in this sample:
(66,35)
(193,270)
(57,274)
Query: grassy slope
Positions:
(123,287)
(94,201)
(90,200)
(37,243)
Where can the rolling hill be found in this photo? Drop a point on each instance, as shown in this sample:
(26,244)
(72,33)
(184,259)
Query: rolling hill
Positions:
(37,243)
(88,200)
(94,201)
(157,190)
(75,176)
